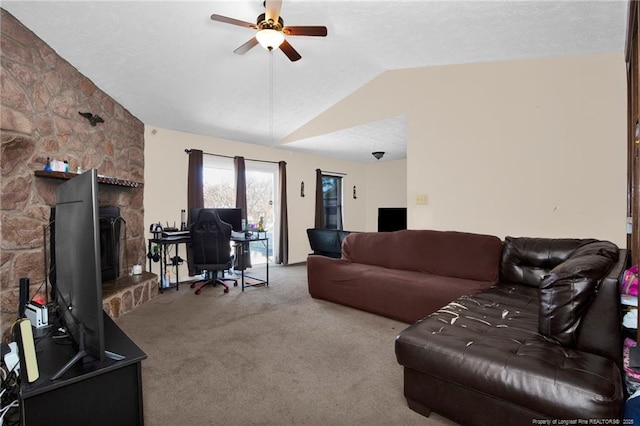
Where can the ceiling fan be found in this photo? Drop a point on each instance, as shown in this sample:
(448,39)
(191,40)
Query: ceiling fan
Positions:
(272,31)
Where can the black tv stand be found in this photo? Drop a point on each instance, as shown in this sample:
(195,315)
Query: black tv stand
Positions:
(82,353)
(88,391)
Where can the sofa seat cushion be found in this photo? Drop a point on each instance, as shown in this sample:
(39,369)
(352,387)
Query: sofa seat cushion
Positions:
(402,295)
(490,343)
(446,253)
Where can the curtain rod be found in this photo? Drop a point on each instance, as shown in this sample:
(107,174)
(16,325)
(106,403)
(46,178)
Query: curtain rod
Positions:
(188,151)
(333,173)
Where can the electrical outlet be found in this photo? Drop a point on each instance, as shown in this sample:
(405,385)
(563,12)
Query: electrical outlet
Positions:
(422,199)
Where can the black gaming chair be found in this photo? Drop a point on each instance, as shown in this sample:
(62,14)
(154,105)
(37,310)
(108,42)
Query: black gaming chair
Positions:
(210,247)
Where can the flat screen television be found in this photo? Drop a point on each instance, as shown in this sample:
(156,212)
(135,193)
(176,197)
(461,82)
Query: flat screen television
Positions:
(232,216)
(78,268)
(392,219)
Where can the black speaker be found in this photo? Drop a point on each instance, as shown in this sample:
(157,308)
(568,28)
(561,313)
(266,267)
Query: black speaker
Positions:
(24,296)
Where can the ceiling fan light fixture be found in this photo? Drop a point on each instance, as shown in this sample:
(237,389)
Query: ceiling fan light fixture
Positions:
(378,154)
(270,39)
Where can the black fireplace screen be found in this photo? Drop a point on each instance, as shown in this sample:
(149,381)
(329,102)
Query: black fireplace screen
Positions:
(110,242)
(110,226)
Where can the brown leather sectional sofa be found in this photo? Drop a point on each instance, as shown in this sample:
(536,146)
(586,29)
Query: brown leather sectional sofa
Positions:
(533,334)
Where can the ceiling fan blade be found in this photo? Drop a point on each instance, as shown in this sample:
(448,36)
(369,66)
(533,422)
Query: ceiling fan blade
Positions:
(253,42)
(272,9)
(305,31)
(232,21)
(288,50)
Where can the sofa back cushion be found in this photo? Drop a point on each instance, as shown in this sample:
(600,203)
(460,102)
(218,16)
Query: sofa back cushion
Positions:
(527,260)
(446,253)
(567,292)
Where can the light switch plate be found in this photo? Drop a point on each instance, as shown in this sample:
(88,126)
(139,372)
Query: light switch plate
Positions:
(422,199)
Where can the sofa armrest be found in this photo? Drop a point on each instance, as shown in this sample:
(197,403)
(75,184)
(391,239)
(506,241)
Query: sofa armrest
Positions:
(618,268)
(601,327)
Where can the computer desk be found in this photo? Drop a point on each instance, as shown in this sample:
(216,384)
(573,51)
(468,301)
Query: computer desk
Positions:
(242,247)
(165,243)
(241,244)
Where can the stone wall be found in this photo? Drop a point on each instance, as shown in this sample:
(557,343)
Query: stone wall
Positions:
(41,95)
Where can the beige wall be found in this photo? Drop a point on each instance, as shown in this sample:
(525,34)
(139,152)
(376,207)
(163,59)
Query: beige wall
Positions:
(166,183)
(531,147)
(386,187)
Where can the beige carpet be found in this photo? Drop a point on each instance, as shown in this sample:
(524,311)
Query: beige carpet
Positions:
(268,356)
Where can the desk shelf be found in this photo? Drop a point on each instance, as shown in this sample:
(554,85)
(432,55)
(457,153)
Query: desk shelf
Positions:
(107,180)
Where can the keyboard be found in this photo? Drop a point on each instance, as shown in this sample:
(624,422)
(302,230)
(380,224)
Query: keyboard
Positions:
(236,234)
(175,233)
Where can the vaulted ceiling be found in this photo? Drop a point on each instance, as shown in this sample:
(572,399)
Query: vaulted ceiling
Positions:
(173,67)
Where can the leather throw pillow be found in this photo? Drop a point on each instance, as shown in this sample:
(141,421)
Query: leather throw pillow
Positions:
(565,294)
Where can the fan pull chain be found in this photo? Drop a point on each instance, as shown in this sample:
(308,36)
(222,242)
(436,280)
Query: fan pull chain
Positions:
(271,97)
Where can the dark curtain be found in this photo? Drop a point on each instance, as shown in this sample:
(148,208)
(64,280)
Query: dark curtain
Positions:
(283,246)
(241,200)
(319,220)
(195,196)
(241,185)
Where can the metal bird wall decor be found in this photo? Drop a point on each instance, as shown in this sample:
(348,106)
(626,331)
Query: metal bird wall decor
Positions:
(93,119)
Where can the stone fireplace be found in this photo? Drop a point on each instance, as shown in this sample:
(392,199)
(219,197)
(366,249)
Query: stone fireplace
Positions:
(41,97)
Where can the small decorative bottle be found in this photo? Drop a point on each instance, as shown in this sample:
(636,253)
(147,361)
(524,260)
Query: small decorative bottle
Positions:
(47,167)
(66,166)
(166,280)
(261,224)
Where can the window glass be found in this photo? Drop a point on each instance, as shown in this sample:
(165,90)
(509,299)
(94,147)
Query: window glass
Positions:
(218,182)
(261,205)
(332,201)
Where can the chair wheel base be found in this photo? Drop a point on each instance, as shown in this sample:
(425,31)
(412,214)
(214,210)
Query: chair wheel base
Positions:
(198,285)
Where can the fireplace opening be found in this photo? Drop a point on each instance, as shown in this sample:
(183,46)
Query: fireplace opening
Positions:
(110,222)
(110,227)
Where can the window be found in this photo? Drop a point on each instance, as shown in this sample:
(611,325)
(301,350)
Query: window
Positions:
(219,186)
(332,201)
(261,177)
(261,203)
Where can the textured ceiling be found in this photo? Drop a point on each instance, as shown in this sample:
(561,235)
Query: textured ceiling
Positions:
(171,66)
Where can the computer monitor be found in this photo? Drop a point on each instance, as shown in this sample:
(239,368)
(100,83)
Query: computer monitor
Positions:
(232,216)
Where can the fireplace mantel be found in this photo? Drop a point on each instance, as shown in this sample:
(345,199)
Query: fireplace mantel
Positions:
(108,180)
